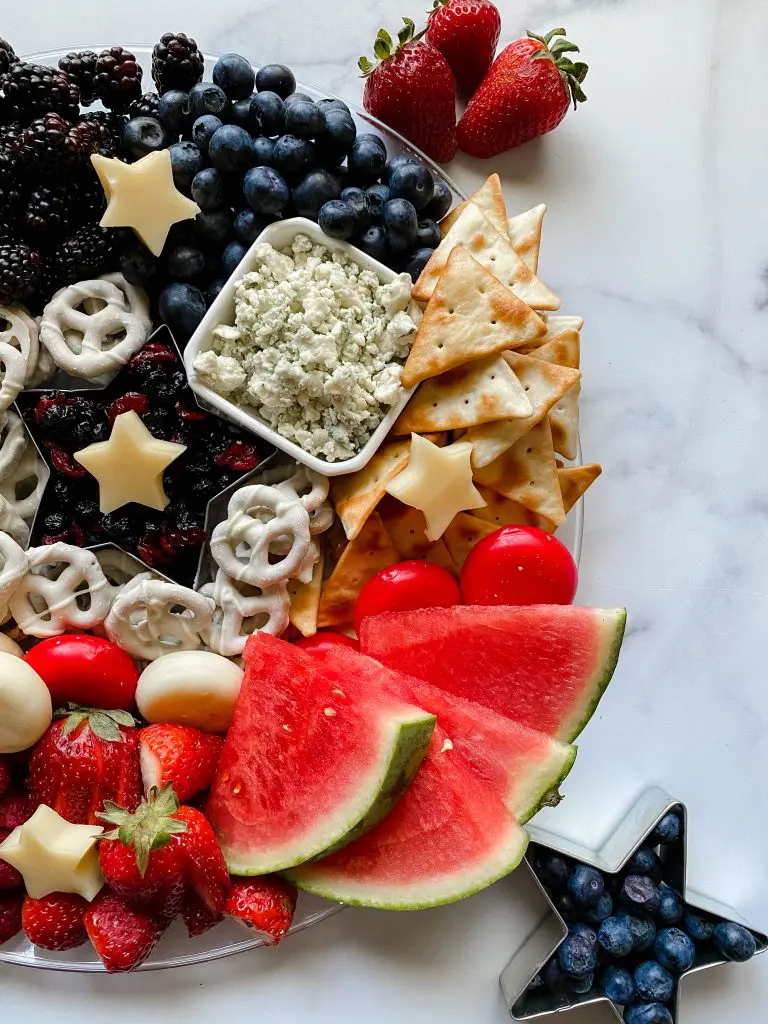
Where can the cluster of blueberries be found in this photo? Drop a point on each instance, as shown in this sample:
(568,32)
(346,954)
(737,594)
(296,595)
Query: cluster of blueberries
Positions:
(249,149)
(629,935)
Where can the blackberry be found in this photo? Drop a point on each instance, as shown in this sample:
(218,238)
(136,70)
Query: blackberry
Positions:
(176,62)
(11,189)
(109,125)
(31,90)
(49,281)
(19,273)
(81,67)
(90,252)
(53,143)
(118,78)
(91,199)
(51,211)
(7,56)
(145,106)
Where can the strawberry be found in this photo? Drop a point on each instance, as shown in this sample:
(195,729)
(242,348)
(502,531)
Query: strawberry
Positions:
(10,914)
(411,88)
(196,915)
(56,921)
(10,878)
(267,904)
(207,872)
(466,33)
(526,93)
(15,809)
(122,935)
(180,754)
(5,777)
(83,760)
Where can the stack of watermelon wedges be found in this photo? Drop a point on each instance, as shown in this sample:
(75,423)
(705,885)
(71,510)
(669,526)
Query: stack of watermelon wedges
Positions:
(401,777)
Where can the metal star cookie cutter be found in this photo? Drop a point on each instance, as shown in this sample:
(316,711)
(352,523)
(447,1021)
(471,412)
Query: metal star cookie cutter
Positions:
(610,857)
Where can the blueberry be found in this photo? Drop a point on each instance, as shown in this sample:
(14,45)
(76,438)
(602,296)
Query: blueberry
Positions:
(185,263)
(440,203)
(667,830)
(566,907)
(174,112)
(317,188)
(295,97)
(412,182)
(551,868)
(231,257)
(276,78)
(265,190)
(293,157)
(358,200)
(615,937)
(378,195)
(263,152)
(416,262)
(653,982)
(240,113)
(203,129)
(397,161)
(214,288)
(670,906)
(698,926)
(645,862)
(585,930)
(182,307)
(248,226)
(304,120)
(553,976)
(618,985)
(580,986)
(734,942)
(143,135)
(536,985)
(209,189)
(373,242)
(234,75)
(207,98)
(337,219)
(267,113)
(642,928)
(674,949)
(586,885)
(215,227)
(231,149)
(647,1013)
(428,234)
(401,224)
(186,161)
(333,104)
(602,909)
(577,956)
(339,137)
(639,895)
(366,159)
(137,264)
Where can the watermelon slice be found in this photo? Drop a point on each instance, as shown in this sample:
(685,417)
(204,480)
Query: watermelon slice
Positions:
(546,666)
(520,765)
(448,837)
(311,760)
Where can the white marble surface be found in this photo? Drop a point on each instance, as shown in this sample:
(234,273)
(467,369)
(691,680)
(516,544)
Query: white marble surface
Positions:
(656,235)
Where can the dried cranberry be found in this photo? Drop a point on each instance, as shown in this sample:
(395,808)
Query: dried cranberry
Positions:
(131,401)
(151,551)
(174,541)
(239,457)
(185,412)
(154,352)
(45,402)
(64,463)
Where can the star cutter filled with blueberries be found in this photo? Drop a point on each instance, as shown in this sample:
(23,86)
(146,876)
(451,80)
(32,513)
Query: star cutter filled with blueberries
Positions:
(526,994)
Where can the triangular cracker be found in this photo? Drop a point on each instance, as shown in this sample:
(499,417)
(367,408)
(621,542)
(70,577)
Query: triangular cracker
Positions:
(501,511)
(407,528)
(371,550)
(527,473)
(478,392)
(470,315)
(544,383)
(564,416)
(490,198)
(462,533)
(524,233)
(305,600)
(557,326)
(474,231)
(357,495)
(575,480)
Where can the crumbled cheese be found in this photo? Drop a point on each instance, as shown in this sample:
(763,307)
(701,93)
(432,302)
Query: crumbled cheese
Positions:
(316,349)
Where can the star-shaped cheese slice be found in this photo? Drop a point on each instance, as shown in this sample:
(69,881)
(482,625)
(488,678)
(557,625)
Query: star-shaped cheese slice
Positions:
(130,465)
(53,855)
(438,482)
(142,196)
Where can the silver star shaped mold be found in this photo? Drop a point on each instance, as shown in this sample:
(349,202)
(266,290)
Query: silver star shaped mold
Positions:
(610,857)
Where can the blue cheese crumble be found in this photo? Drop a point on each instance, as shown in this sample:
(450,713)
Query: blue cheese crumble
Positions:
(317,347)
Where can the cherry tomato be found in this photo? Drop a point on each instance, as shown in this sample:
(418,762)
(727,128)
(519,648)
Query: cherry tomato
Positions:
(322,642)
(405,586)
(519,565)
(86,670)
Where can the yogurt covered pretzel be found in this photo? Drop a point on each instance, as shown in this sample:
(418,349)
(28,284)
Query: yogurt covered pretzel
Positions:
(81,338)
(20,331)
(150,617)
(238,614)
(14,560)
(13,442)
(23,487)
(311,489)
(12,523)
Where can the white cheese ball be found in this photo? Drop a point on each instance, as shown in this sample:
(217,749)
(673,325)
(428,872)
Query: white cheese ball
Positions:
(190,688)
(25,705)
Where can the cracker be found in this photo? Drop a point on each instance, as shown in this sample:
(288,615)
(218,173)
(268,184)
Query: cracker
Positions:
(524,233)
(470,315)
(501,511)
(357,495)
(407,528)
(305,600)
(575,480)
(564,415)
(556,327)
(370,551)
(462,533)
(490,198)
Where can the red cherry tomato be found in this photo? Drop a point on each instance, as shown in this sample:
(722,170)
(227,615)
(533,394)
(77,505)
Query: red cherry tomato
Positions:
(86,670)
(405,586)
(519,565)
(322,642)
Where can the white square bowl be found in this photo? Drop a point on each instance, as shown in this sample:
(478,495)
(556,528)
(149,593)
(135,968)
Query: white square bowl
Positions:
(280,235)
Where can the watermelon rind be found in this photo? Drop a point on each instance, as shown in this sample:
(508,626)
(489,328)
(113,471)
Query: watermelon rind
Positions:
(546,780)
(611,623)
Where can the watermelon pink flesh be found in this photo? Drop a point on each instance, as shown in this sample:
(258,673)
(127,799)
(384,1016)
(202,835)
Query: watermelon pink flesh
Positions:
(546,666)
(519,764)
(309,761)
(448,837)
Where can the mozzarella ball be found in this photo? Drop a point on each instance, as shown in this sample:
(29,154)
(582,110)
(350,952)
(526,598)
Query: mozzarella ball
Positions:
(25,705)
(10,646)
(190,688)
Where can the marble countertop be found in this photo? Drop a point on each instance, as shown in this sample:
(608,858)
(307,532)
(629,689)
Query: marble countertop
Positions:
(655,233)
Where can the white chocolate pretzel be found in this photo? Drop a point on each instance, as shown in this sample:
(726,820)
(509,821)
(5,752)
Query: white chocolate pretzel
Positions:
(23,487)
(311,489)
(14,371)
(88,342)
(14,560)
(13,442)
(12,523)
(150,617)
(18,329)
(242,610)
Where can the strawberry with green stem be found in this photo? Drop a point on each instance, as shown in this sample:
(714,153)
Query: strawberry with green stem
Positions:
(466,32)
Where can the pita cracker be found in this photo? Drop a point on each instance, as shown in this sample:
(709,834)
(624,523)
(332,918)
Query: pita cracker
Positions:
(564,415)
(524,233)
(490,198)
(478,392)
(501,511)
(470,315)
(575,480)
(407,528)
(371,550)
(462,533)
(527,473)
(357,495)
(475,232)
(545,384)
(556,327)
(305,600)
